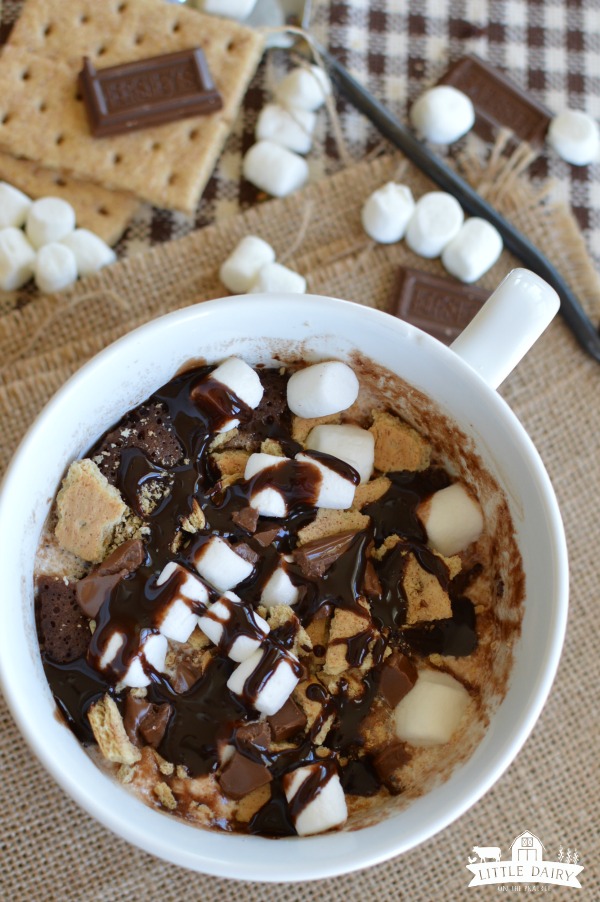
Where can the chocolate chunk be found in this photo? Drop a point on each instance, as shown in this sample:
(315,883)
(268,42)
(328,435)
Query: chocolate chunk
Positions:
(145,721)
(253,737)
(372,585)
(148,92)
(316,557)
(267,536)
(241,776)
(288,721)
(127,557)
(184,678)
(246,518)
(398,676)
(63,629)
(245,552)
(147,428)
(442,307)
(498,101)
(389,763)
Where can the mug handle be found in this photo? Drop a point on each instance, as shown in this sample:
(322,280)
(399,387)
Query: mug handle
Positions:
(508,324)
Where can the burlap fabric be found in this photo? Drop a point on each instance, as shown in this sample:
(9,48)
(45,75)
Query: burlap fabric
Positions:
(53,851)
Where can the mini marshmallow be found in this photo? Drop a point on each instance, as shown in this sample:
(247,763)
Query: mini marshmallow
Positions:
(49,219)
(335,491)
(442,115)
(575,137)
(274,169)
(91,252)
(153,652)
(277,684)
(14,206)
(436,220)
(452,519)
(291,128)
(241,268)
(325,809)
(229,9)
(351,444)
(241,379)
(55,267)
(214,624)
(432,710)
(304,88)
(177,620)
(269,502)
(387,212)
(277,279)
(17,259)
(279,589)
(322,389)
(473,250)
(220,566)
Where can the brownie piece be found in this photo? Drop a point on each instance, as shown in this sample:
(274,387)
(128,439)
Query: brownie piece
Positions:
(63,628)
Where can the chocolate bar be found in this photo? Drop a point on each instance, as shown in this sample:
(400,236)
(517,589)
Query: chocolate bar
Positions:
(149,92)
(442,307)
(498,101)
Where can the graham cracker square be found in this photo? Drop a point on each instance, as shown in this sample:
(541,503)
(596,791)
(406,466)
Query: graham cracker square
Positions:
(43,118)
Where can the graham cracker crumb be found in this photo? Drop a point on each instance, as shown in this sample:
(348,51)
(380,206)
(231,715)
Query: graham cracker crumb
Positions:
(165,796)
(196,520)
(89,510)
(165,767)
(425,597)
(301,426)
(125,773)
(368,492)
(253,802)
(107,726)
(270,446)
(344,625)
(231,462)
(223,438)
(330,522)
(282,615)
(397,445)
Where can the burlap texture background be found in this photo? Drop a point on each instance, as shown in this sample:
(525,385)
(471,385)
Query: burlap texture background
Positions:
(53,851)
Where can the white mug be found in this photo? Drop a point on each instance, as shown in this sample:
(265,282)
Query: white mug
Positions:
(460,381)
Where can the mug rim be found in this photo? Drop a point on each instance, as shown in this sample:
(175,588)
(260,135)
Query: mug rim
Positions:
(346,853)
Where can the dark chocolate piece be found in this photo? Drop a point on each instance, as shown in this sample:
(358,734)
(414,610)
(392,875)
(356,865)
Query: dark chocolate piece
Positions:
(148,92)
(288,721)
(145,722)
(246,519)
(442,307)
(127,557)
(316,557)
(242,776)
(398,676)
(184,678)
(388,765)
(95,588)
(267,536)
(64,630)
(498,101)
(251,738)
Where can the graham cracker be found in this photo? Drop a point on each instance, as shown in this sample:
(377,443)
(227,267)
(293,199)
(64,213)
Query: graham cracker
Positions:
(104,212)
(43,118)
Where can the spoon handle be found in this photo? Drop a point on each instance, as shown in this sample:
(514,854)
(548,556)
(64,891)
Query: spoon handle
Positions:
(469,199)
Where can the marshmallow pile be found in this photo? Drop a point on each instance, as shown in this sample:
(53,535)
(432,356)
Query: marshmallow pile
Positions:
(252,268)
(432,226)
(39,238)
(284,132)
(442,115)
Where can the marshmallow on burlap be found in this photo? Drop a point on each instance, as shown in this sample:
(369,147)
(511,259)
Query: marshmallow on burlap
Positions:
(219,565)
(387,212)
(17,259)
(335,491)
(274,278)
(326,807)
(49,219)
(152,653)
(279,589)
(442,115)
(473,250)
(91,252)
(55,267)
(14,206)
(452,519)
(436,220)
(322,389)
(275,687)
(432,710)
(242,266)
(349,443)
(214,624)
(269,502)
(274,168)
(304,88)
(290,128)
(575,137)
(230,9)
(177,620)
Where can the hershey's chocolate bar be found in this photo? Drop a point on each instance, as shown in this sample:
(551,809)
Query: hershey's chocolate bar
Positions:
(498,101)
(149,92)
(442,307)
